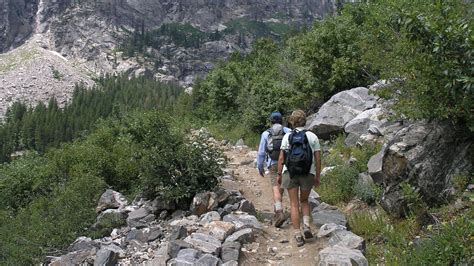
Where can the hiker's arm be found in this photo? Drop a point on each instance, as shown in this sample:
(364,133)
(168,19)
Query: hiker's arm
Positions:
(317,164)
(261,155)
(281,158)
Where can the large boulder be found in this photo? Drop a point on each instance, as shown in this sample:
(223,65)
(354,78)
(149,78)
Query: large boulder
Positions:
(339,110)
(361,124)
(204,243)
(83,243)
(327,214)
(243,236)
(140,218)
(347,239)
(243,220)
(106,257)
(80,257)
(220,230)
(427,156)
(338,255)
(204,202)
(230,251)
(111,200)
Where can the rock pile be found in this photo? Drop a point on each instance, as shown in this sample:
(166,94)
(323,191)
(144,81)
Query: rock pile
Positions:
(156,232)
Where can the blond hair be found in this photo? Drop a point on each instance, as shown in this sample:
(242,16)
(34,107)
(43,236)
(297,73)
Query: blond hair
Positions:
(298,118)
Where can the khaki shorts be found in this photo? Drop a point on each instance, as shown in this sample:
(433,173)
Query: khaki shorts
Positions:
(305,182)
(273,175)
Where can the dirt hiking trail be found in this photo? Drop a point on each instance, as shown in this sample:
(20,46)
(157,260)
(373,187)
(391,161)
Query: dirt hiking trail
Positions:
(273,246)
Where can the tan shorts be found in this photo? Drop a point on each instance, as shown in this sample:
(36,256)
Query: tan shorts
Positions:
(273,175)
(305,182)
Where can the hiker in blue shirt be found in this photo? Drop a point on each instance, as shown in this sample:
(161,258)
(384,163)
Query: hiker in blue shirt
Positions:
(268,151)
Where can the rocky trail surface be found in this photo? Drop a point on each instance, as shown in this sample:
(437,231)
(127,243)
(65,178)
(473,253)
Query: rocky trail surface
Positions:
(273,246)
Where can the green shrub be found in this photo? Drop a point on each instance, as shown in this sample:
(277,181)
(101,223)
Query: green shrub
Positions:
(367,192)
(461,181)
(452,245)
(337,185)
(49,201)
(425,46)
(363,154)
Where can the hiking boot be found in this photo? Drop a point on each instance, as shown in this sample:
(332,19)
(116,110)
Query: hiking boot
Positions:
(299,240)
(307,232)
(279,218)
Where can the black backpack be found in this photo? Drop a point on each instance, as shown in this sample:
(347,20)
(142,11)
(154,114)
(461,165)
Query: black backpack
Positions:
(275,136)
(299,157)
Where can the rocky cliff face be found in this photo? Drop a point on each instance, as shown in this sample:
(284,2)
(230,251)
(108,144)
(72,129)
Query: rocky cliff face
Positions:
(171,40)
(16,22)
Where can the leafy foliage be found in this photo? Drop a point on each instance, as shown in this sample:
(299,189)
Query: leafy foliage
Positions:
(337,184)
(400,242)
(428,48)
(49,200)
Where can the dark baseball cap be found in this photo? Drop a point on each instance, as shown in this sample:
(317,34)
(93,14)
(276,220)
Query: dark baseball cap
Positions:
(275,116)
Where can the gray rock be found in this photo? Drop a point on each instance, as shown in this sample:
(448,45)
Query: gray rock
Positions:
(106,257)
(230,251)
(204,242)
(329,216)
(247,206)
(209,217)
(343,256)
(189,255)
(240,143)
(231,263)
(375,168)
(180,262)
(154,233)
(83,243)
(329,229)
(374,130)
(79,257)
(179,233)
(220,230)
(313,194)
(243,220)
(361,123)
(204,202)
(234,197)
(339,110)
(138,235)
(325,207)
(228,209)
(160,204)
(208,260)
(347,239)
(175,246)
(427,156)
(161,256)
(222,195)
(313,203)
(243,236)
(137,218)
(111,200)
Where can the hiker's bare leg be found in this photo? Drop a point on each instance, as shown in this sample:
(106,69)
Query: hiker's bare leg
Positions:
(304,195)
(295,208)
(277,194)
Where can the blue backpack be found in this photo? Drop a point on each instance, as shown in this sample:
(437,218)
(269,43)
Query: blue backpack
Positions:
(299,157)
